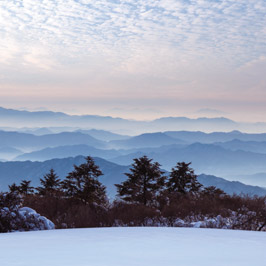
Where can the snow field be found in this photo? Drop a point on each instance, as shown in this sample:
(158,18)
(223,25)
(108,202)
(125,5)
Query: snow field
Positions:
(126,246)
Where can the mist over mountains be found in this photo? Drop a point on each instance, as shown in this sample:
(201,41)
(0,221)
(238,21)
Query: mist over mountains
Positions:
(39,140)
(16,118)
(29,141)
(206,158)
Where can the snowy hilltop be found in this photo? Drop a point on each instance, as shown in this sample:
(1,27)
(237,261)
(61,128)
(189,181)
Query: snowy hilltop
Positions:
(134,246)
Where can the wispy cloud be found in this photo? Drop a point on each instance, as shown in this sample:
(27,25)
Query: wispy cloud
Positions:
(188,29)
(165,47)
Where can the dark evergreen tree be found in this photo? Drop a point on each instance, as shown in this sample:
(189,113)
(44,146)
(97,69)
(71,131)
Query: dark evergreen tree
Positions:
(144,183)
(83,184)
(14,188)
(25,187)
(213,191)
(183,179)
(50,184)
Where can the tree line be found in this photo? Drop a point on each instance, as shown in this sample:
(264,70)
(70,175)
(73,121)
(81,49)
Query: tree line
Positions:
(148,196)
(145,183)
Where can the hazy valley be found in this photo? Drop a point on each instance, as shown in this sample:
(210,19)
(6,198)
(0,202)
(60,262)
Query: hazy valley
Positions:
(29,153)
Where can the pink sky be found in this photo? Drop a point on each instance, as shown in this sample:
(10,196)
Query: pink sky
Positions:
(135,59)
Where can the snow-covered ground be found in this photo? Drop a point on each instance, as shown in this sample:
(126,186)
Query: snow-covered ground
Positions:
(134,247)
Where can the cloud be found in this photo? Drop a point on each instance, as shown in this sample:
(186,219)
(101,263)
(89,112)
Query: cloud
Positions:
(186,50)
(122,30)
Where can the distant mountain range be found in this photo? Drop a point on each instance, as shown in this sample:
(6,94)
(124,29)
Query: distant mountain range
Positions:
(15,118)
(9,153)
(146,140)
(236,144)
(207,158)
(231,187)
(16,171)
(113,174)
(103,134)
(104,139)
(51,138)
(30,142)
(67,151)
(202,137)
(257,179)
(229,158)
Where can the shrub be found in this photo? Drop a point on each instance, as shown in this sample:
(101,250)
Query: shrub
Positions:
(13,217)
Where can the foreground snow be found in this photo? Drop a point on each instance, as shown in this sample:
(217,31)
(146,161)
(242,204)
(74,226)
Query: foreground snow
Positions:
(134,246)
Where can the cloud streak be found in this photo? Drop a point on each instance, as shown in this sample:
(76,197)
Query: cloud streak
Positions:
(189,28)
(109,47)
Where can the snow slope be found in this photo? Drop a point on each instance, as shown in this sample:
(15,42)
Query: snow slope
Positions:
(134,247)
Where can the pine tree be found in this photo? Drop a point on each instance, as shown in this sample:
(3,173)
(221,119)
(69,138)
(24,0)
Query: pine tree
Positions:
(213,191)
(14,188)
(144,183)
(25,187)
(50,183)
(83,184)
(183,179)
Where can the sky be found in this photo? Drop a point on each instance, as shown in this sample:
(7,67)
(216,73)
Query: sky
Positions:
(137,59)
